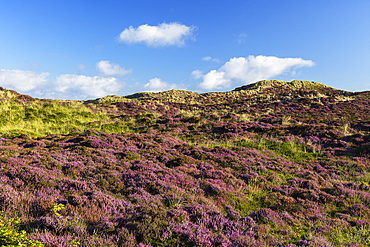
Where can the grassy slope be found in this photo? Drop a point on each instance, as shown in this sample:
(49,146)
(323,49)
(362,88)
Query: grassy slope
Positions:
(296,147)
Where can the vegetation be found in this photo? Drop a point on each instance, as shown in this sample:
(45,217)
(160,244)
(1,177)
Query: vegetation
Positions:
(269,164)
(11,236)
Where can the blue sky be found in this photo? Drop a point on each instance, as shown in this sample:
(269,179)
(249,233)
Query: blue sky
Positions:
(90,49)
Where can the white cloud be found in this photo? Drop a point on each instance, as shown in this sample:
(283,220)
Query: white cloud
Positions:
(21,80)
(90,86)
(215,79)
(97,48)
(196,74)
(250,69)
(157,85)
(81,67)
(64,86)
(107,68)
(211,59)
(241,38)
(162,35)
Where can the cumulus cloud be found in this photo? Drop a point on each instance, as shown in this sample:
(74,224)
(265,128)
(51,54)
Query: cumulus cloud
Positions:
(196,74)
(215,80)
(89,86)
(250,69)
(107,68)
(157,85)
(21,80)
(65,86)
(162,35)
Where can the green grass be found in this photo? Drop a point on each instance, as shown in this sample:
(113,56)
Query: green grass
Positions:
(287,150)
(350,235)
(57,117)
(253,198)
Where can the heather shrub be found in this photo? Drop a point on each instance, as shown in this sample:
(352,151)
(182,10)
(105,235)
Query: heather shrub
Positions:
(50,239)
(9,197)
(359,211)
(270,164)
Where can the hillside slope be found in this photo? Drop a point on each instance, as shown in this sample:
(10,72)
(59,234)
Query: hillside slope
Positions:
(272,163)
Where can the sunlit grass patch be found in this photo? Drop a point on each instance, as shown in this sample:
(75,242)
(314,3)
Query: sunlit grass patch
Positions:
(288,150)
(40,118)
(350,235)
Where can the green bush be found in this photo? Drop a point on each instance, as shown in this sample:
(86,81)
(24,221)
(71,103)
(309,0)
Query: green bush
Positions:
(10,235)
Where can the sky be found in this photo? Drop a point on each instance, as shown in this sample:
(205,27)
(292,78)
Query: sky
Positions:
(91,49)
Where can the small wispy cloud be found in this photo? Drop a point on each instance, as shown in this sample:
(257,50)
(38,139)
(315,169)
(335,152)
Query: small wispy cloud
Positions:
(241,38)
(107,68)
(250,69)
(81,67)
(97,48)
(162,35)
(211,59)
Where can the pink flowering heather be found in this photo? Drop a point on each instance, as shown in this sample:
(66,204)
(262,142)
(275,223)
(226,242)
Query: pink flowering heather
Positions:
(268,164)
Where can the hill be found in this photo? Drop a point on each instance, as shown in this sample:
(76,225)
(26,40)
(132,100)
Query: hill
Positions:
(272,163)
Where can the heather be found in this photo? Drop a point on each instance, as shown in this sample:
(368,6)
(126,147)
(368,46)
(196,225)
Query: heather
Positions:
(269,164)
